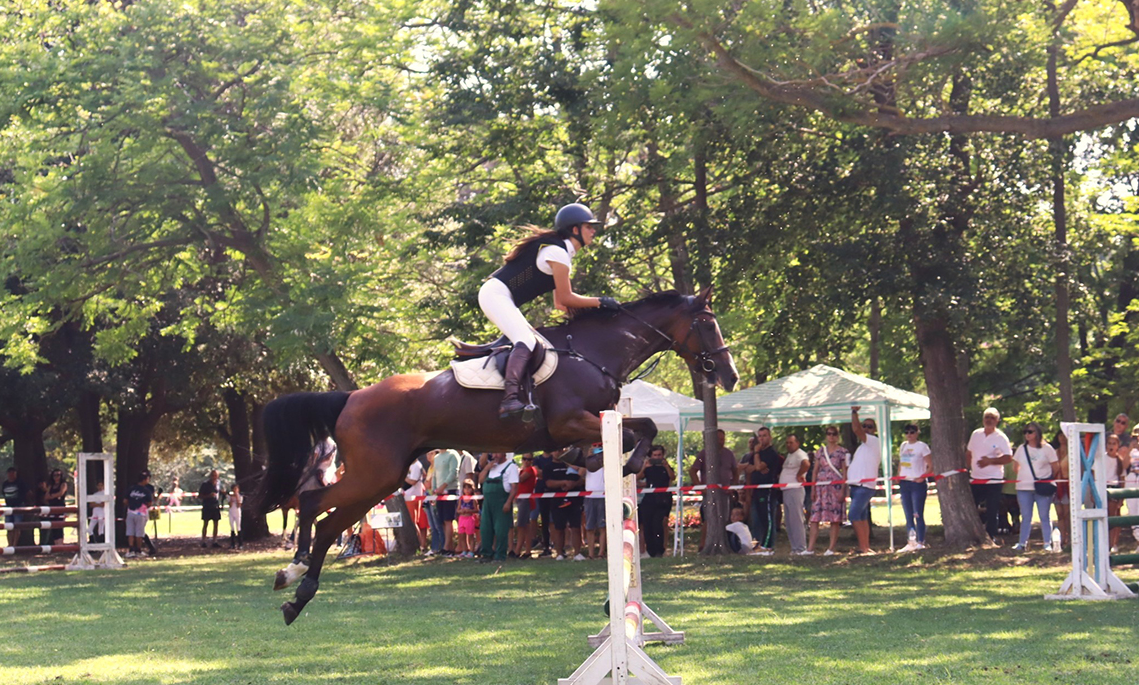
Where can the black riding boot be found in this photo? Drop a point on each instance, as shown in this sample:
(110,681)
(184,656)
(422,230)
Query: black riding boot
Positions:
(515,372)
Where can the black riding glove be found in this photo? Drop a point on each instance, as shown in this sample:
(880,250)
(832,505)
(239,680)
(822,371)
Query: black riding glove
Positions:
(608,303)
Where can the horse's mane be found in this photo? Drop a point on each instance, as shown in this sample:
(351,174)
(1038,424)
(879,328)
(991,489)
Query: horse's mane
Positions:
(670,298)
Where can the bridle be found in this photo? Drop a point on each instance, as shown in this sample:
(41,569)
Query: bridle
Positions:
(704,356)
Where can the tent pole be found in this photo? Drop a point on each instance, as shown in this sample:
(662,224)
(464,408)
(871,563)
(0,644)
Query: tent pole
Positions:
(887,457)
(678,529)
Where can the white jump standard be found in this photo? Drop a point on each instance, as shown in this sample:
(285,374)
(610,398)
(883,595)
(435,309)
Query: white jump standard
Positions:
(1091,576)
(620,657)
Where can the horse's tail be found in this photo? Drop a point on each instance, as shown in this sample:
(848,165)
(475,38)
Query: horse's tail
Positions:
(293,425)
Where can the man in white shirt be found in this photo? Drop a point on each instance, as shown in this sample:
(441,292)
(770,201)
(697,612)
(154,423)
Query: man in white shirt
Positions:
(795,467)
(862,475)
(595,513)
(986,454)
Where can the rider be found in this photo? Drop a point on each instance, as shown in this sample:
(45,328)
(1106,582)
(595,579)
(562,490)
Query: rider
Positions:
(537,265)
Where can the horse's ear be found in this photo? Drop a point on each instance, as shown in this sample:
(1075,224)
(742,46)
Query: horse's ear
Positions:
(705,296)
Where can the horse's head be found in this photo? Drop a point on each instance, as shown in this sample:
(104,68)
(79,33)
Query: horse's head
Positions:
(701,345)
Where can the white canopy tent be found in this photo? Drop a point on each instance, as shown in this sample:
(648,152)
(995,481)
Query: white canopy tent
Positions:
(818,396)
(661,405)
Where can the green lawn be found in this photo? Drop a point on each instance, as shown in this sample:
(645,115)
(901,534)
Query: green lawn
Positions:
(968,618)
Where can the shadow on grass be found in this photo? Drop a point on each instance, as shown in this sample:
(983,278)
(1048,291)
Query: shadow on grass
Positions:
(975,617)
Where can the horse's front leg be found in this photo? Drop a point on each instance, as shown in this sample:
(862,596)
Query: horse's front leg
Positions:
(584,429)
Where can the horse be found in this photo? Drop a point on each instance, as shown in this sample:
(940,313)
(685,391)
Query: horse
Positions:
(381,429)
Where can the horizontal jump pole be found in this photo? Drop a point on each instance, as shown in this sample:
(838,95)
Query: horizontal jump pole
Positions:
(33,525)
(42,511)
(34,569)
(1115,521)
(1124,559)
(39,549)
(1123,493)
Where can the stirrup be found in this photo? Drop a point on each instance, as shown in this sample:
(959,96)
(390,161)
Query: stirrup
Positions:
(528,413)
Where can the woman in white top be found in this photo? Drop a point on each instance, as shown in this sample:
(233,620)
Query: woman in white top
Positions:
(914,462)
(1043,464)
(535,266)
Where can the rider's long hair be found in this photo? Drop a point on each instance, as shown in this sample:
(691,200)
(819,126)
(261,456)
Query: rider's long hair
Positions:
(536,233)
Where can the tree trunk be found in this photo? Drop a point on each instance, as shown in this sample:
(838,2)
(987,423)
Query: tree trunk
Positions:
(246,471)
(948,429)
(875,333)
(1057,148)
(254,525)
(91,434)
(716,509)
(406,539)
(29,455)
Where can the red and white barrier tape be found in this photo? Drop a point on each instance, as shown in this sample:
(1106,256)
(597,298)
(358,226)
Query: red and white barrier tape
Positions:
(699,488)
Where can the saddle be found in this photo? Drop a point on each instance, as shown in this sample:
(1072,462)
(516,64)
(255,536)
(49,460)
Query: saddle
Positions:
(482,367)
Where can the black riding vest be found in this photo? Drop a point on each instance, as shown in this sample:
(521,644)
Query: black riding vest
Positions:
(521,275)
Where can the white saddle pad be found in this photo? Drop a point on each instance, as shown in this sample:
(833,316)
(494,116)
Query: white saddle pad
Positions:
(481,373)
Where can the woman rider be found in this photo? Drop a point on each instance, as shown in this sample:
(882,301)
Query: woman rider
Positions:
(537,265)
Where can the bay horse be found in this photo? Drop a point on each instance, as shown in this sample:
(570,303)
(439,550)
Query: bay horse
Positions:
(381,429)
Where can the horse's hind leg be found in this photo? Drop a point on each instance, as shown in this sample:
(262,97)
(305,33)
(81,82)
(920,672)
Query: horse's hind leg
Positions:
(327,530)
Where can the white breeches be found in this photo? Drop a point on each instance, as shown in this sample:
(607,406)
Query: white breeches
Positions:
(498,305)
(235,519)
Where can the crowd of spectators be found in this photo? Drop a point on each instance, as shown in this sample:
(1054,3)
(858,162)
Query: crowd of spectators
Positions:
(823,484)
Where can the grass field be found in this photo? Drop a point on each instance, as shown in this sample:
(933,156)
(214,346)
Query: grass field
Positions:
(956,618)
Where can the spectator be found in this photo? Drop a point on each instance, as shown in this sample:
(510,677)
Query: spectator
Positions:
(794,473)
(523,531)
(321,467)
(1117,467)
(235,502)
(53,491)
(499,477)
(413,491)
(739,536)
(139,500)
(97,524)
(655,506)
(766,465)
(542,466)
(914,462)
(15,495)
(988,451)
(1035,460)
(1119,428)
(729,471)
(566,511)
(1010,507)
(863,475)
(595,513)
(441,514)
(208,495)
(1062,498)
(1131,480)
(743,468)
(176,495)
(468,514)
(828,499)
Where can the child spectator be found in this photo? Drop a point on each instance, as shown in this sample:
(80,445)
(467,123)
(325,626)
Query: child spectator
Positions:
(139,500)
(739,536)
(97,525)
(468,511)
(235,500)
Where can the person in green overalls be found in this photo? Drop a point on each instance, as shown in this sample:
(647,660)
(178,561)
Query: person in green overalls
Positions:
(499,480)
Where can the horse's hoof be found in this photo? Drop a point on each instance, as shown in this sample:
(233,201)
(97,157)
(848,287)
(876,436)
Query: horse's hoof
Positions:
(290,612)
(281,581)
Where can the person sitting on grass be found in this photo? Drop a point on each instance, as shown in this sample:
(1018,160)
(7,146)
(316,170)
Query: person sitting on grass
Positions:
(739,535)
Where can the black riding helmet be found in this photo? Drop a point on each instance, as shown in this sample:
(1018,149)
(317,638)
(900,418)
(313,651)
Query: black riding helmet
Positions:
(571,216)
